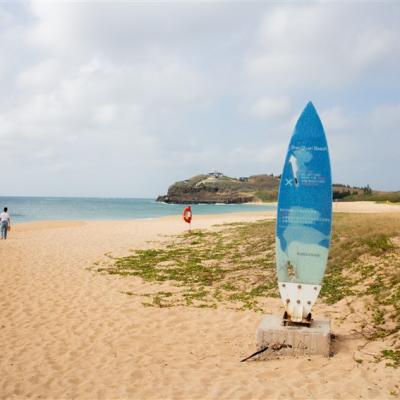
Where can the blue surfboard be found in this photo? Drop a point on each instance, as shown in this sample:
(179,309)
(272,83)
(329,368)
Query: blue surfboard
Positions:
(304,216)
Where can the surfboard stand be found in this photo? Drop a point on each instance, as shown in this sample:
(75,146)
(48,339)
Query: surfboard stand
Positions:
(275,340)
(287,320)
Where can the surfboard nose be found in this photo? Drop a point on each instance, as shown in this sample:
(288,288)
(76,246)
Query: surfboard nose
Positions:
(311,106)
(309,122)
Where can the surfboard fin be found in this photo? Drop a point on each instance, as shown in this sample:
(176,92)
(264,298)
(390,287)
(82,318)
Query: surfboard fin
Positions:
(297,315)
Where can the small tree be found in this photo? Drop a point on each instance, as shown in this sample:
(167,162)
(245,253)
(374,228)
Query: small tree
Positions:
(367,190)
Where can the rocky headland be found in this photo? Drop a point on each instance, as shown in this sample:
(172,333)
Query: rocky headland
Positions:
(215,187)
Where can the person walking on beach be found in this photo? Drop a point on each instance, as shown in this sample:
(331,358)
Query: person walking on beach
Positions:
(5,223)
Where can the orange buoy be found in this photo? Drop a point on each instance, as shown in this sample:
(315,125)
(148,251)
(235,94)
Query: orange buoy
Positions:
(187,214)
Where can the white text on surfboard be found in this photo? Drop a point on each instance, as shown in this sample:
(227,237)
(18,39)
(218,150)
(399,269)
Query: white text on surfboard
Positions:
(314,148)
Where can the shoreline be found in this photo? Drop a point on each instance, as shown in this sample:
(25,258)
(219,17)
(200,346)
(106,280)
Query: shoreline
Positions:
(198,222)
(199,212)
(337,207)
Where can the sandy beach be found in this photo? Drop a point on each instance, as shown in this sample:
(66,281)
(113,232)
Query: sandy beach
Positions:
(67,331)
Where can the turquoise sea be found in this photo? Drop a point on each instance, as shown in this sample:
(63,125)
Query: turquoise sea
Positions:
(26,209)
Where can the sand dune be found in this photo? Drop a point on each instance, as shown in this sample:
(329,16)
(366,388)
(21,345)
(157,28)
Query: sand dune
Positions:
(69,332)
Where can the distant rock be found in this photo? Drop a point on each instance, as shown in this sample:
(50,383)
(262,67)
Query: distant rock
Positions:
(218,188)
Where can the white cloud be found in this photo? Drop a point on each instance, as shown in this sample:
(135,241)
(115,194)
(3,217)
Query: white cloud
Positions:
(364,149)
(6,19)
(321,45)
(92,90)
(42,76)
(271,108)
(386,117)
(105,114)
(335,120)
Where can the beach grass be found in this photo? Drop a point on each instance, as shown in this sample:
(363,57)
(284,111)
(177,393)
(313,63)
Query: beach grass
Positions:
(364,262)
(234,264)
(392,357)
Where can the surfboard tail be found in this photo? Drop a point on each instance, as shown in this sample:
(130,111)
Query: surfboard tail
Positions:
(298,299)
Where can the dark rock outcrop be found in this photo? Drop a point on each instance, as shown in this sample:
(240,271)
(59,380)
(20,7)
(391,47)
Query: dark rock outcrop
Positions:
(218,188)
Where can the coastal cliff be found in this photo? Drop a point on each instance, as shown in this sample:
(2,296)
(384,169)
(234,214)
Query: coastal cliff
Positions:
(217,188)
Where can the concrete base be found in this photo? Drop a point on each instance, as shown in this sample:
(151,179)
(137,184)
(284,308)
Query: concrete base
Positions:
(292,341)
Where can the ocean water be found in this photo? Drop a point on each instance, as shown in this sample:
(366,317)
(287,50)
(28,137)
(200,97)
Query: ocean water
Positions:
(27,209)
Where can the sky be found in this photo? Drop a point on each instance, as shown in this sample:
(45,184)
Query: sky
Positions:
(121,99)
